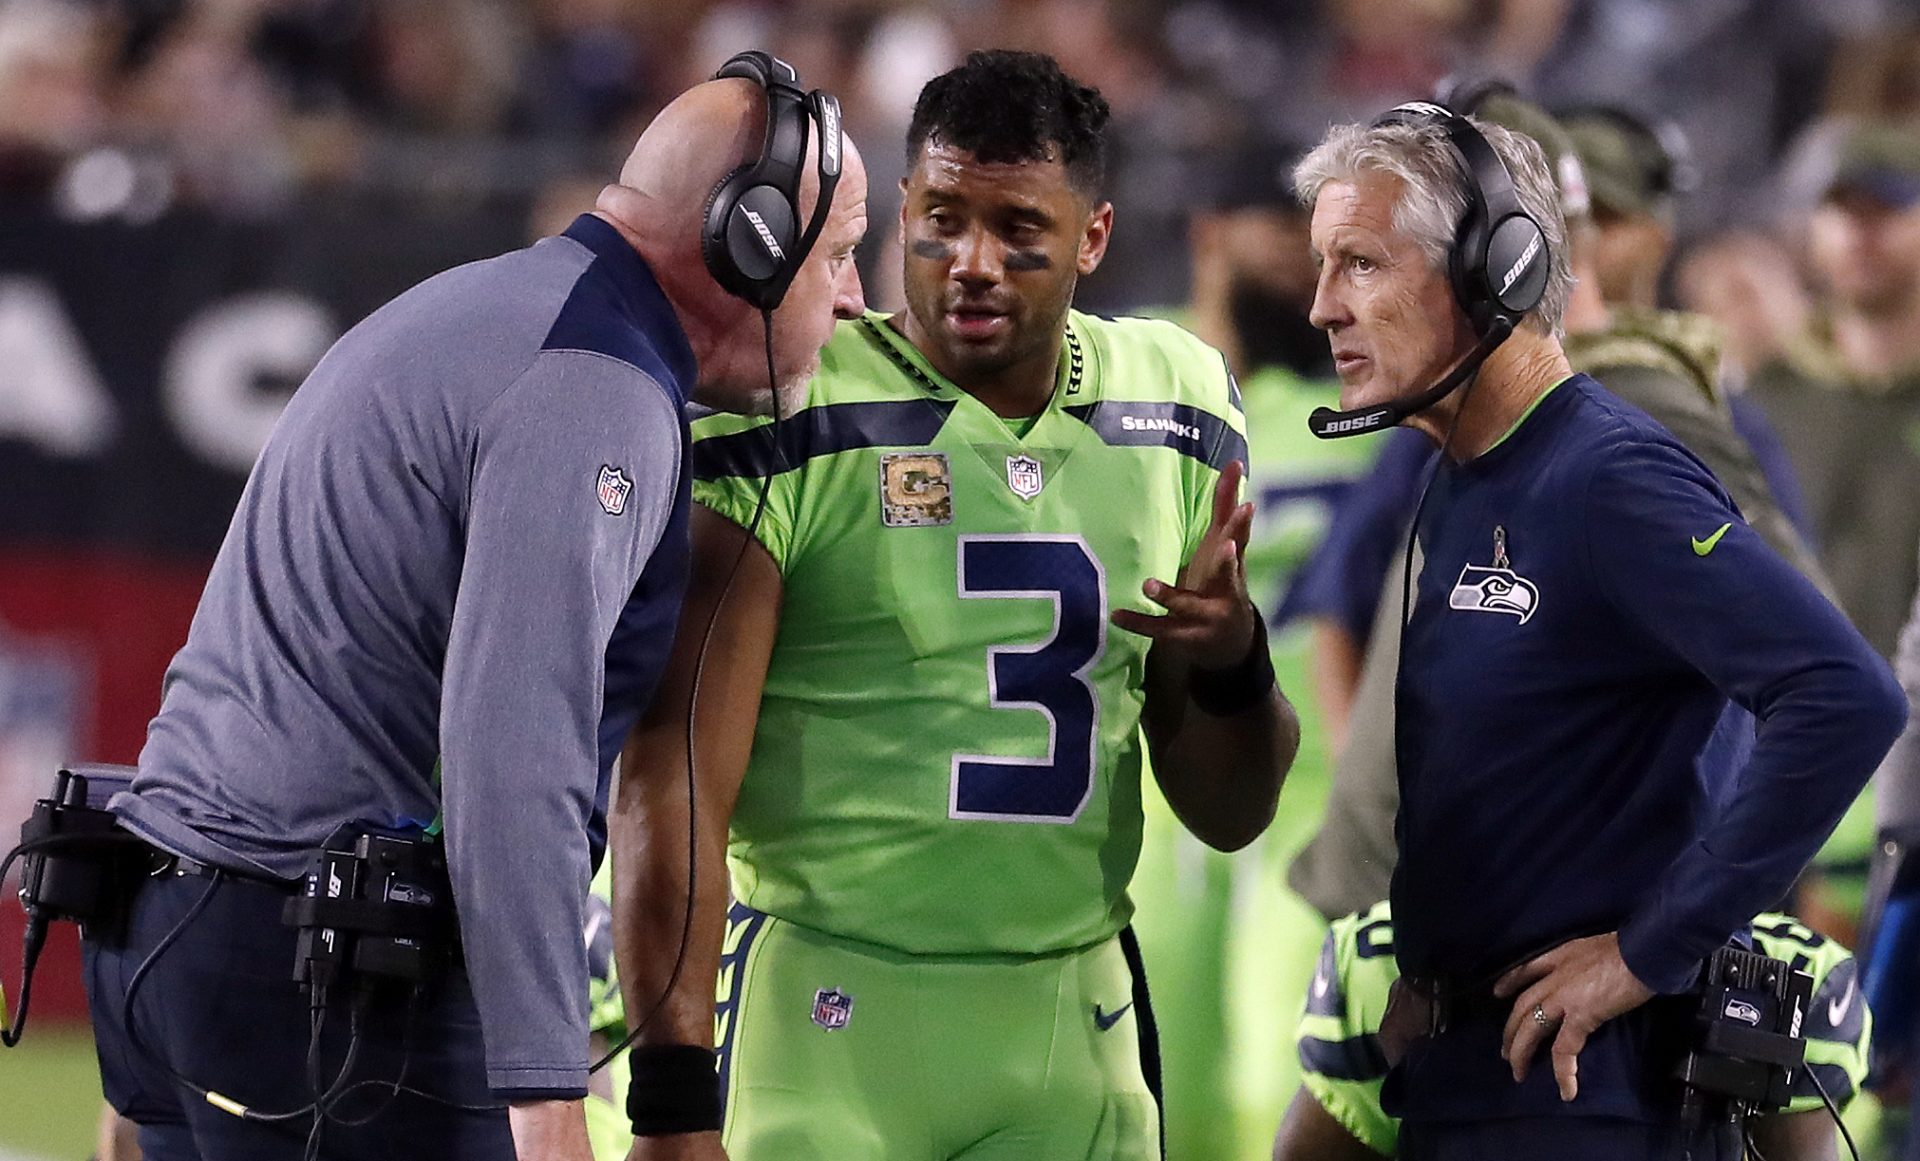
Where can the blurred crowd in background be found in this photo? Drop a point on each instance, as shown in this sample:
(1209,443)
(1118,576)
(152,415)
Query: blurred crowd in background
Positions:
(133,107)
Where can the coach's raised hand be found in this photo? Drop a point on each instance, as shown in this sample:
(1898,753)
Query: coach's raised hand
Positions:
(1221,734)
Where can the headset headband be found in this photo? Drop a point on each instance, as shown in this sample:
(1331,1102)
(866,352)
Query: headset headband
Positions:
(1499,262)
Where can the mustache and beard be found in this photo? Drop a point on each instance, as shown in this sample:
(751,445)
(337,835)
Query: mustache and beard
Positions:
(1274,331)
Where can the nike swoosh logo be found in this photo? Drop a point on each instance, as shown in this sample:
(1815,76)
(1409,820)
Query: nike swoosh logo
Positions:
(1837,1009)
(1319,985)
(1104,1020)
(1702,547)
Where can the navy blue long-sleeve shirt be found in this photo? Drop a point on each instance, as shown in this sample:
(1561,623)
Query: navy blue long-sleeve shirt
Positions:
(1591,599)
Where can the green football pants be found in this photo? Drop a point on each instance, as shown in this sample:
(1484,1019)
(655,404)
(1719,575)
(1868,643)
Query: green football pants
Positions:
(833,1050)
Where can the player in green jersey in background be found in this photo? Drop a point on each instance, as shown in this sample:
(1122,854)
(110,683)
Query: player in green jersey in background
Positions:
(1336,1115)
(1001,542)
(1228,946)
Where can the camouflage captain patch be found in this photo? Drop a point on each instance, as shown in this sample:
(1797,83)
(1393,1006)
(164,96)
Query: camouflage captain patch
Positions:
(832,1008)
(916,490)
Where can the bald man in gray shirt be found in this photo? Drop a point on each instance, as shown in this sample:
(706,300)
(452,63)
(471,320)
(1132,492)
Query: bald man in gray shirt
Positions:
(445,597)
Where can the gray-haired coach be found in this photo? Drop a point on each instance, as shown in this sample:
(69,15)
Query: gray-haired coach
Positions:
(1582,820)
(447,593)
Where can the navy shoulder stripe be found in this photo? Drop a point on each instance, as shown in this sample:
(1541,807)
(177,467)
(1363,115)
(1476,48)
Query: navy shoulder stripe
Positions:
(1186,429)
(820,431)
(1356,1058)
(616,309)
(592,320)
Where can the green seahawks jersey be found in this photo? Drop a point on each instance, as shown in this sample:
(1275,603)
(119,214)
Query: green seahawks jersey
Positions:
(947,758)
(1343,1066)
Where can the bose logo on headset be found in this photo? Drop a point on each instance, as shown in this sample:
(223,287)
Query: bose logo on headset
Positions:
(830,135)
(1357,423)
(1526,259)
(779,255)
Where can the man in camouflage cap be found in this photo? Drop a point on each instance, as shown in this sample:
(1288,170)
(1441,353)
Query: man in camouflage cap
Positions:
(1665,362)
(1845,396)
(1636,171)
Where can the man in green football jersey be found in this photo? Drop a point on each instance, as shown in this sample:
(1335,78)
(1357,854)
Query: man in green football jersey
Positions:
(925,686)
(1336,1115)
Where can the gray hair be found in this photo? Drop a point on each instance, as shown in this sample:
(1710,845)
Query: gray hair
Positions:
(1433,194)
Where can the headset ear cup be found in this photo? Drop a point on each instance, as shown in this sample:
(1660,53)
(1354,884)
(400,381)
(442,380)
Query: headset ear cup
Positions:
(748,239)
(751,237)
(713,234)
(1517,266)
(1467,270)
(760,235)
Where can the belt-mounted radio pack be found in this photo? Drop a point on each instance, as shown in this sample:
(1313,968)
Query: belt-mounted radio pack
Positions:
(1748,1036)
(73,856)
(75,865)
(376,905)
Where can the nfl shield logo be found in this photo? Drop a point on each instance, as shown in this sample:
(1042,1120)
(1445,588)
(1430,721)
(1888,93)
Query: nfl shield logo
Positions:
(1023,476)
(832,1008)
(614,486)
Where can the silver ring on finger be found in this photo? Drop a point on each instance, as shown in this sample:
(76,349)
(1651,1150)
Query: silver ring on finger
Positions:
(1540,1016)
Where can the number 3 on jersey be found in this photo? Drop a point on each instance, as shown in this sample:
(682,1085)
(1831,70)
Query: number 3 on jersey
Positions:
(1050,677)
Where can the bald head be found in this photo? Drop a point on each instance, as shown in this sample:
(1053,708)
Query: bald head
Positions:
(705,134)
(659,206)
(696,141)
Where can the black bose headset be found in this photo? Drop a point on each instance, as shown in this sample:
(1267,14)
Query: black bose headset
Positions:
(752,240)
(1497,266)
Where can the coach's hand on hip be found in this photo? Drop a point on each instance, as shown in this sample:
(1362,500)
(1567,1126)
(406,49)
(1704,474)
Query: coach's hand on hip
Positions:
(1566,994)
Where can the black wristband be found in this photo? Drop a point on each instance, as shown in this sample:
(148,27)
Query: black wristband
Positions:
(675,1089)
(1240,686)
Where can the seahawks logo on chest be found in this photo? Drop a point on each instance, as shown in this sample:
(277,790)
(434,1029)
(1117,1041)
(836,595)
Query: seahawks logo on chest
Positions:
(1498,589)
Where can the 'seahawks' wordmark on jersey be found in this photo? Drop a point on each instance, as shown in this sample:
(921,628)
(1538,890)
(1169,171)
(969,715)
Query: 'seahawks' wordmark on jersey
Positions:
(948,757)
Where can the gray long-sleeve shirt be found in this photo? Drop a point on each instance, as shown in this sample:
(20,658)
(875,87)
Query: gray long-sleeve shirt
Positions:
(448,590)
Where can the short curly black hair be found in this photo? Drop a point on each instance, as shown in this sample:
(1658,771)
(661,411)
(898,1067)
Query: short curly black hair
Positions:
(1003,106)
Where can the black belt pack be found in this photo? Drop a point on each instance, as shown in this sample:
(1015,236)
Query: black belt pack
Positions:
(376,904)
